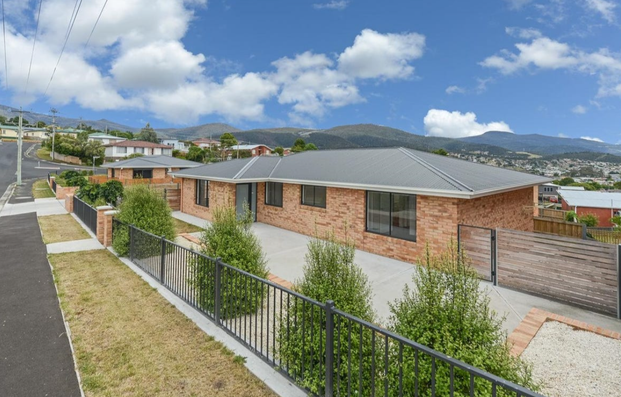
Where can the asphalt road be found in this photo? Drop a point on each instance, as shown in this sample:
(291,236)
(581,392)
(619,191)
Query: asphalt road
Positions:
(32,168)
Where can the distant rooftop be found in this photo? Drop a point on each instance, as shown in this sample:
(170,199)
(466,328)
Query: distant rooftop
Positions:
(157,161)
(101,135)
(592,199)
(144,144)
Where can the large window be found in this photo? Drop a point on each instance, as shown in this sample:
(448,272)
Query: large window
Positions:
(143,173)
(202,193)
(392,214)
(121,149)
(273,193)
(314,196)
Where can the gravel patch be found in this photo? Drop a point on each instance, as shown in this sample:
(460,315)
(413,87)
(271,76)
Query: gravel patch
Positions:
(572,362)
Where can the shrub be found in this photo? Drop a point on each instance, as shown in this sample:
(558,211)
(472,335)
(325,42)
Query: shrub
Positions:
(571,216)
(329,274)
(146,210)
(89,193)
(589,220)
(111,191)
(229,237)
(447,311)
(73,178)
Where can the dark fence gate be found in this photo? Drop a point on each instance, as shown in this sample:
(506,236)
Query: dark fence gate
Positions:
(86,213)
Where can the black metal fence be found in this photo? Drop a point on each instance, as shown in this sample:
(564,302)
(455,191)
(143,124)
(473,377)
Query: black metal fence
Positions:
(86,213)
(54,185)
(321,348)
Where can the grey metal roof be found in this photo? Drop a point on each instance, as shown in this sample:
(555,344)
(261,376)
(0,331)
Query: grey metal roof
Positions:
(157,161)
(388,169)
(592,199)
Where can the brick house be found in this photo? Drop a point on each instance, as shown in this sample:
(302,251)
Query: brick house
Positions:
(604,205)
(390,201)
(253,150)
(152,167)
(125,148)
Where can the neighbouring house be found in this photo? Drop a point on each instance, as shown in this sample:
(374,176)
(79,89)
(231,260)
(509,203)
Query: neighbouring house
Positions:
(105,139)
(123,149)
(151,167)
(254,150)
(548,192)
(175,143)
(389,201)
(206,143)
(10,131)
(604,205)
(72,132)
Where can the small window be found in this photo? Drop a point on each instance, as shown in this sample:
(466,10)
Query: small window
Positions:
(143,173)
(392,214)
(273,194)
(121,149)
(314,196)
(202,193)
(139,150)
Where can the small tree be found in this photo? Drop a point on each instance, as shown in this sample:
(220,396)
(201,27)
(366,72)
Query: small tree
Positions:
(329,274)
(195,153)
(310,146)
(441,152)
(147,134)
(571,216)
(147,210)
(227,141)
(111,191)
(229,237)
(589,220)
(446,311)
(279,150)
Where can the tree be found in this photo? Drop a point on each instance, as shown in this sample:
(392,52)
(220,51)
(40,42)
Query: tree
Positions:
(279,150)
(229,237)
(446,311)
(147,210)
(3,120)
(195,153)
(441,152)
(134,155)
(40,124)
(122,134)
(310,146)
(330,273)
(298,145)
(227,140)
(147,134)
(564,181)
(589,220)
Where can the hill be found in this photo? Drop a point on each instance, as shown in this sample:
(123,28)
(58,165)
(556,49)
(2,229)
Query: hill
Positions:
(213,130)
(541,144)
(589,156)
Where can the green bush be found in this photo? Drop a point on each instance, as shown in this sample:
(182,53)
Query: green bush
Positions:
(570,216)
(73,178)
(589,220)
(229,237)
(446,311)
(146,210)
(111,191)
(329,274)
(89,193)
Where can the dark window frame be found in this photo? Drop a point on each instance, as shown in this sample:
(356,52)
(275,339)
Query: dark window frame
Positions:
(135,172)
(267,201)
(302,187)
(197,198)
(390,215)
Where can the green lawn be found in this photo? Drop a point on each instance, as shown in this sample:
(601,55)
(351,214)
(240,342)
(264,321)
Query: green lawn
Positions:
(44,154)
(184,227)
(40,189)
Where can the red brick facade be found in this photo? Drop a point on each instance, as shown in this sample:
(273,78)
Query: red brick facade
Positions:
(128,173)
(345,215)
(603,214)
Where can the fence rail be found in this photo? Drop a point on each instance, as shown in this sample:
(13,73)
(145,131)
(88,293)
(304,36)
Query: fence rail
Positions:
(605,234)
(86,213)
(560,228)
(319,347)
(551,213)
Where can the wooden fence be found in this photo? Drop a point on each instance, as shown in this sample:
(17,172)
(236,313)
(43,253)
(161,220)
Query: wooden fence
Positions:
(560,227)
(138,181)
(605,235)
(579,272)
(550,213)
(476,244)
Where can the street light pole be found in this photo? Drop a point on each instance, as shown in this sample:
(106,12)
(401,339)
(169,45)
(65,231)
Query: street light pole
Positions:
(19,149)
(53,111)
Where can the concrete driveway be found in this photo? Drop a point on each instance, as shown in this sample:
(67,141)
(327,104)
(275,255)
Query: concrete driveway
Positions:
(285,252)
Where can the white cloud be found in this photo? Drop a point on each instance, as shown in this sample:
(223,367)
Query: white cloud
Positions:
(547,54)
(136,60)
(332,5)
(579,109)
(590,138)
(605,8)
(561,135)
(454,89)
(458,125)
(523,33)
(385,56)
(517,4)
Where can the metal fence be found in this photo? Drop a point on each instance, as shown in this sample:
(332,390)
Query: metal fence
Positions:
(86,213)
(54,185)
(324,350)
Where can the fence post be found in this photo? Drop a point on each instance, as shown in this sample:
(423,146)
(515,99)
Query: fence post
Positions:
(329,308)
(217,291)
(619,281)
(131,243)
(584,231)
(493,257)
(459,237)
(163,262)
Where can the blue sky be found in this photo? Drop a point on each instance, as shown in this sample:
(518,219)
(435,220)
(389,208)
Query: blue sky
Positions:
(444,68)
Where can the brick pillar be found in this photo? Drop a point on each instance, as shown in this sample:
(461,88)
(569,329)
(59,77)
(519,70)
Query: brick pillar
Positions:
(102,221)
(107,237)
(69,203)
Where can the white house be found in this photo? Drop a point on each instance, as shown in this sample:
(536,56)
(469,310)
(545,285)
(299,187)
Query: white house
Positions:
(175,144)
(105,139)
(125,148)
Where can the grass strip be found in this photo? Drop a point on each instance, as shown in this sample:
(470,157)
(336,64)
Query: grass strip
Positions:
(59,228)
(184,227)
(40,189)
(130,341)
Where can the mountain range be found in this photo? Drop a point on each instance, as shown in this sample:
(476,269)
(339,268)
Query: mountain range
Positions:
(360,135)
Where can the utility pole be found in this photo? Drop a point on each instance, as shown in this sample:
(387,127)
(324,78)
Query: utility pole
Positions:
(19,148)
(53,111)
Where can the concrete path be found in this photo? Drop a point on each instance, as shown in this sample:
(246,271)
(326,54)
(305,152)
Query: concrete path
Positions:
(285,252)
(74,246)
(35,354)
(42,207)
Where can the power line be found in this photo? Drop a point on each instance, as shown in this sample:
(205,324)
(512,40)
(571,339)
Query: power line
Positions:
(6,68)
(74,16)
(96,22)
(34,42)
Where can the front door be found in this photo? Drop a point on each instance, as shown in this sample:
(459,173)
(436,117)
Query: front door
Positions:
(245,195)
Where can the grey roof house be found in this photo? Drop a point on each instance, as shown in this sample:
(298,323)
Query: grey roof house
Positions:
(391,201)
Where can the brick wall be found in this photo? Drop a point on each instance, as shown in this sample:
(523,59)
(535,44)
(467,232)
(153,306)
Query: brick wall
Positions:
(220,195)
(510,210)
